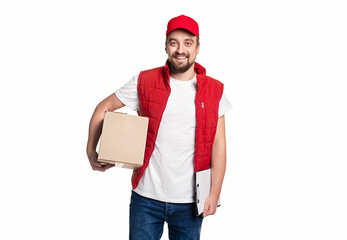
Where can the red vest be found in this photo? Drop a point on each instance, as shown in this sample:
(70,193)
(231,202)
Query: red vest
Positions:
(154,89)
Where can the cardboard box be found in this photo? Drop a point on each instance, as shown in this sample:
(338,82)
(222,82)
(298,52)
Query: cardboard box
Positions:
(123,140)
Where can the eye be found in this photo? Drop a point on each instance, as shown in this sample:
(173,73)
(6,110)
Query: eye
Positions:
(172,43)
(188,44)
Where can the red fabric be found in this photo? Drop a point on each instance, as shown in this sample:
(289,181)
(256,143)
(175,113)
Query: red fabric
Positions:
(183,22)
(154,90)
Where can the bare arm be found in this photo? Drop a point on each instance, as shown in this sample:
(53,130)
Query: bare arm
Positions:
(218,165)
(110,103)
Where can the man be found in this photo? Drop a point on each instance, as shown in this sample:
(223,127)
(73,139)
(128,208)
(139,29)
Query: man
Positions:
(186,134)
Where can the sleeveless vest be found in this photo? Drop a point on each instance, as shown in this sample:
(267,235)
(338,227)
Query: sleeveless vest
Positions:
(154,89)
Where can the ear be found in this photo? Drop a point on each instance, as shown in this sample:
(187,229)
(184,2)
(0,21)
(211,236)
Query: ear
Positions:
(197,50)
(165,48)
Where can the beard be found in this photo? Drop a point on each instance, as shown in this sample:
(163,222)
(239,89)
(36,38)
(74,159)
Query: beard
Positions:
(179,68)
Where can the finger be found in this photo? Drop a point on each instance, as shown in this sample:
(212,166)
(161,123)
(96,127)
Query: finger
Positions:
(101,167)
(109,166)
(98,169)
(214,211)
(211,210)
(206,214)
(97,164)
(206,209)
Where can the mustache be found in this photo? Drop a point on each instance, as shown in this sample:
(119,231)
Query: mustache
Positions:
(180,55)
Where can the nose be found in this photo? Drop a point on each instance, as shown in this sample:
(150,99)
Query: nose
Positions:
(180,48)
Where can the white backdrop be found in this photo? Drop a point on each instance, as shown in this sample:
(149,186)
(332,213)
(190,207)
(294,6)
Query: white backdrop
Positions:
(283,64)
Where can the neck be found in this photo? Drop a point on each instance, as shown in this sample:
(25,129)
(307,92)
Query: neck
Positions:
(185,76)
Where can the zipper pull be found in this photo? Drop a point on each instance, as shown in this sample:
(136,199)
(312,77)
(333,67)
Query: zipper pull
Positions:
(202,104)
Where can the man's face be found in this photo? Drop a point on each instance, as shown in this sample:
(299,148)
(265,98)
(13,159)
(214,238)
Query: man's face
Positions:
(181,47)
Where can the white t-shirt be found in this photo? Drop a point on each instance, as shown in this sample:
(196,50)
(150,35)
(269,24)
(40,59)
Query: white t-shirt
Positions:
(169,176)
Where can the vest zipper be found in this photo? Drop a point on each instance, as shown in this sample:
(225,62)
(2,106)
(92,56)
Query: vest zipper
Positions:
(203,119)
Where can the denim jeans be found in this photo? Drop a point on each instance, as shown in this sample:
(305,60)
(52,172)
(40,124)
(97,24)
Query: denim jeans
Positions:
(147,217)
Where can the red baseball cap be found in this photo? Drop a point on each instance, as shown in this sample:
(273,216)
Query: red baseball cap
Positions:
(184,22)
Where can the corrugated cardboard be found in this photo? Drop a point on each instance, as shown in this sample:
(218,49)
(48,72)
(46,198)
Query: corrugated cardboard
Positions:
(123,140)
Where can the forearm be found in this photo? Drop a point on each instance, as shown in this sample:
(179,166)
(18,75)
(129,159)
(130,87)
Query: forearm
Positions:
(95,128)
(218,166)
(110,103)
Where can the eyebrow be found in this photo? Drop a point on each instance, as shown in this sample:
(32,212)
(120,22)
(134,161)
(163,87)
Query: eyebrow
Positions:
(187,39)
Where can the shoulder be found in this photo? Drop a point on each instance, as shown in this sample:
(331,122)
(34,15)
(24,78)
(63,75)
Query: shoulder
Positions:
(211,88)
(147,76)
(211,82)
(157,70)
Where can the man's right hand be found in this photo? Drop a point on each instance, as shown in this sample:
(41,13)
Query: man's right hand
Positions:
(97,166)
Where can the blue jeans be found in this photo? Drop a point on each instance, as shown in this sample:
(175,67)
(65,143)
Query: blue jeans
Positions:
(147,217)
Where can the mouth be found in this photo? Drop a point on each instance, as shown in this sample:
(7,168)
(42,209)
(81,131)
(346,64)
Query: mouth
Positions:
(180,59)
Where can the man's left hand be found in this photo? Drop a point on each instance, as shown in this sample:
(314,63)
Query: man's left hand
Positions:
(210,205)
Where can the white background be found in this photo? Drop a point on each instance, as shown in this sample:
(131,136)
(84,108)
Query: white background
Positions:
(283,64)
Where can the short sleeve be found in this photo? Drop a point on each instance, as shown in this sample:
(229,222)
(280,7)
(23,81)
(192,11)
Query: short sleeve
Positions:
(224,105)
(128,94)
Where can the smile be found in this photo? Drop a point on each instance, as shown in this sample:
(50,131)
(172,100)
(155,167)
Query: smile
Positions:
(180,58)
